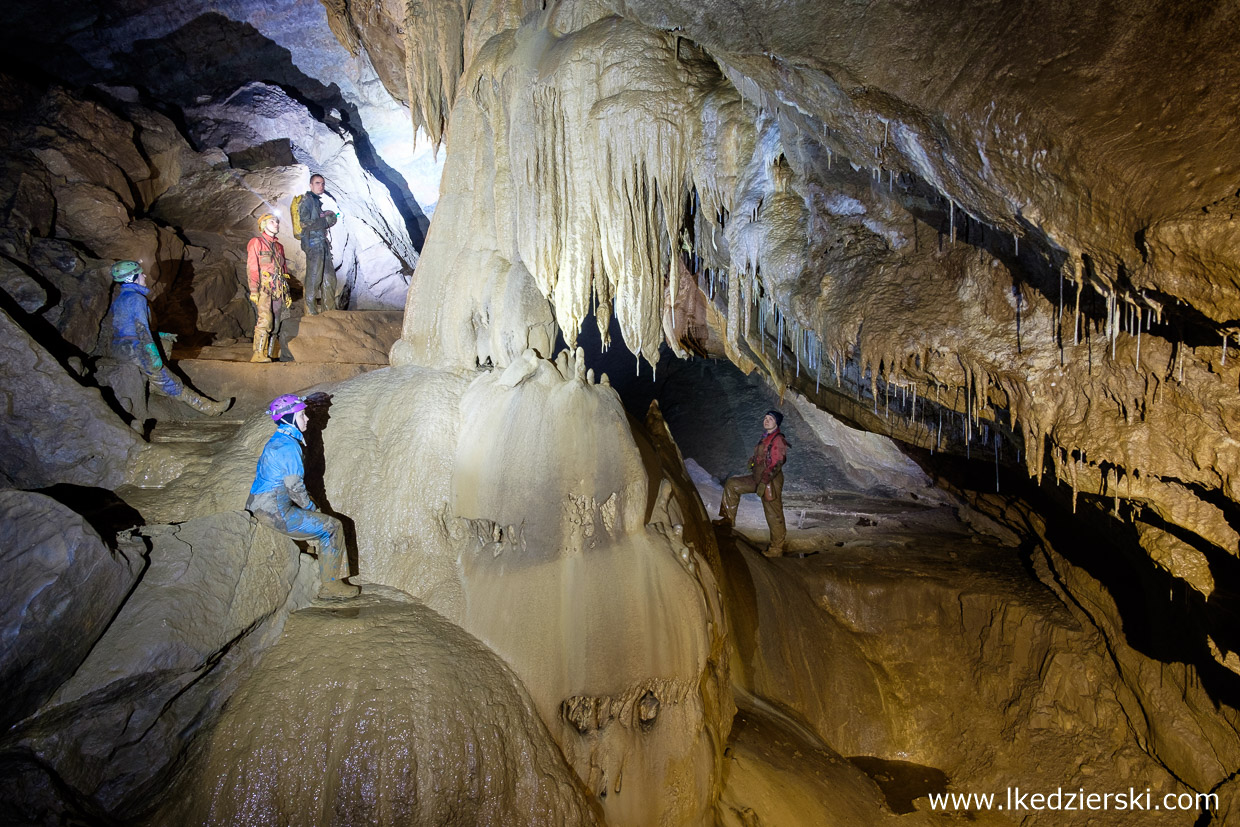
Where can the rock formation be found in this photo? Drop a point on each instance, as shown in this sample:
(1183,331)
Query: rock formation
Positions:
(1002,241)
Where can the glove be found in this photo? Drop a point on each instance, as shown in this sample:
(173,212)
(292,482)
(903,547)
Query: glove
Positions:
(254,299)
(168,338)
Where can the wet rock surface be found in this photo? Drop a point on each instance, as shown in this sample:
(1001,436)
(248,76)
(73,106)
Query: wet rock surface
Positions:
(215,593)
(63,585)
(415,721)
(56,429)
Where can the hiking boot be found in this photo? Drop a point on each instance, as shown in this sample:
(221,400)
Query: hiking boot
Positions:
(338,590)
(207,406)
(260,348)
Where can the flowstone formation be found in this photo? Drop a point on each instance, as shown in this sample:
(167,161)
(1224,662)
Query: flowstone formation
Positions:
(523,506)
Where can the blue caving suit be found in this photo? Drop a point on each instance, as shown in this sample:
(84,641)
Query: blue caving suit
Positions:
(278,498)
(132,339)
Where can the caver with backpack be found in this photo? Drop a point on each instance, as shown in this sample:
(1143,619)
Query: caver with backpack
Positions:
(310,225)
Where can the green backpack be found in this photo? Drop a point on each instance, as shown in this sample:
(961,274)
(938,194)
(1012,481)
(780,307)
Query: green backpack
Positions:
(296,216)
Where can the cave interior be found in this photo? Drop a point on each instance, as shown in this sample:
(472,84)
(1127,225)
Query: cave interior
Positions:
(983,258)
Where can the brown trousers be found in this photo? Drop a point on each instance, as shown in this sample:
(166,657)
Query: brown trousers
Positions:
(270,318)
(773,508)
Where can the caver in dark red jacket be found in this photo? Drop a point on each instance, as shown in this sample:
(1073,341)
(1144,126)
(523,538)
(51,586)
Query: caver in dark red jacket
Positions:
(766,479)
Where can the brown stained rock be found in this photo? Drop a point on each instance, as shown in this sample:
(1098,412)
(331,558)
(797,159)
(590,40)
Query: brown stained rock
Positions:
(96,217)
(949,657)
(55,429)
(1177,557)
(1194,257)
(1171,712)
(33,206)
(62,587)
(415,720)
(362,337)
(779,776)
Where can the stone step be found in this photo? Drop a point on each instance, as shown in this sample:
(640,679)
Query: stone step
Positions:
(194,430)
(253,384)
(318,350)
(352,336)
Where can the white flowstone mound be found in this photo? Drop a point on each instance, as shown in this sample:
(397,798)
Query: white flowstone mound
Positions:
(379,711)
(520,505)
(576,570)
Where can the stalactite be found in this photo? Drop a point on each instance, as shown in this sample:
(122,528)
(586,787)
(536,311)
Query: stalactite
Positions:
(1075,486)
(996,462)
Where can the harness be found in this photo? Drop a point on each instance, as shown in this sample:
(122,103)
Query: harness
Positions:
(272,278)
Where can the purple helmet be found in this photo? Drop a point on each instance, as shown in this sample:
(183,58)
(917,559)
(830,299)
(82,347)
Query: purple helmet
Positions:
(284,405)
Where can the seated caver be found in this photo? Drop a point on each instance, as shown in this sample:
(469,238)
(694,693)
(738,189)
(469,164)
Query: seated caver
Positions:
(278,497)
(133,341)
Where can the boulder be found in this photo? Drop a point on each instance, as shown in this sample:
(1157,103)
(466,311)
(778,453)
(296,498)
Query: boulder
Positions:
(79,290)
(361,337)
(62,585)
(216,593)
(378,711)
(40,397)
